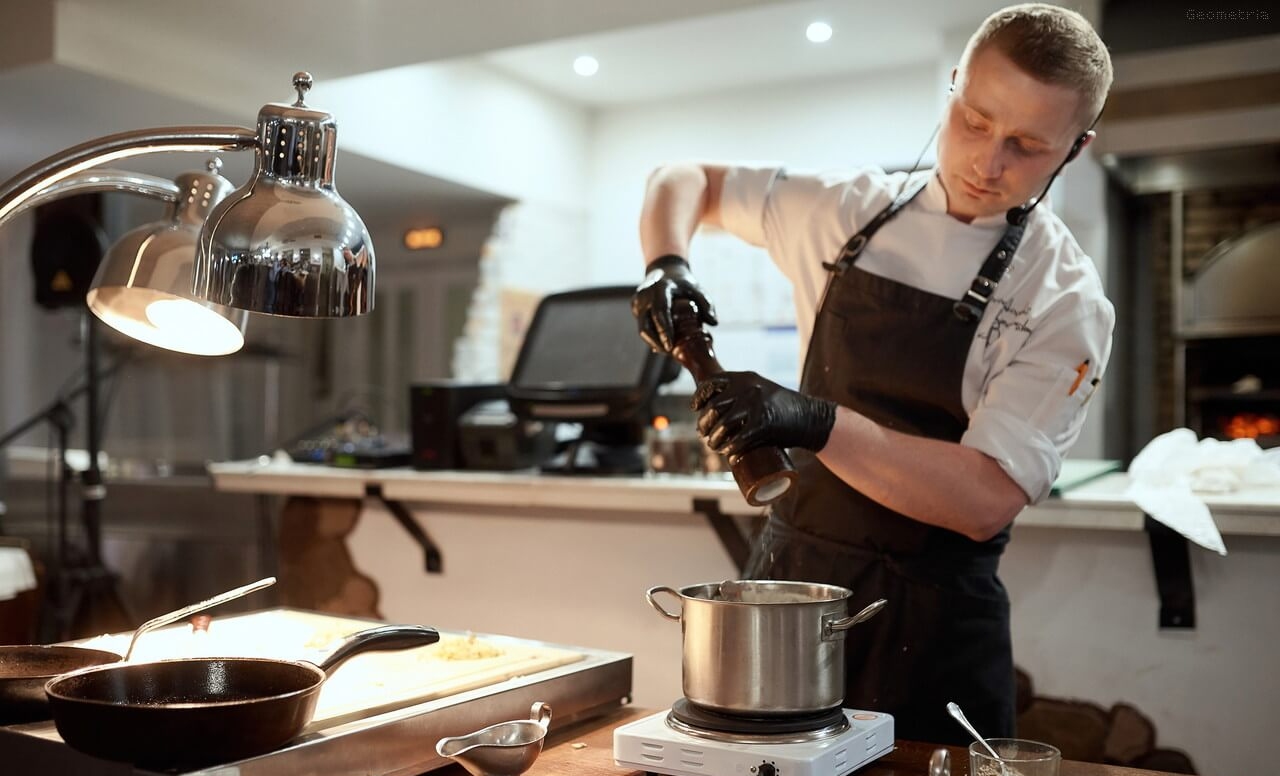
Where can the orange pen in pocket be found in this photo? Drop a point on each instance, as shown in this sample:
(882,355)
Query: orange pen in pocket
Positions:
(1081,371)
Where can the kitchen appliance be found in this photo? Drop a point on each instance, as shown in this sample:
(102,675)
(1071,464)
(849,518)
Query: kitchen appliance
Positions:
(581,362)
(666,743)
(1229,340)
(492,438)
(363,723)
(788,636)
(435,409)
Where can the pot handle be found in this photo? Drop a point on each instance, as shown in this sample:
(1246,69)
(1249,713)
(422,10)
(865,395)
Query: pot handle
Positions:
(649,596)
(832,627)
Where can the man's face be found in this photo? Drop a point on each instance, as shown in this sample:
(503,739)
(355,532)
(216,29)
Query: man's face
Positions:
(1002,135)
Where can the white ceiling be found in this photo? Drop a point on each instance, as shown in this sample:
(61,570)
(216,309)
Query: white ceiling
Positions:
(185,47)
(124,64)
(62,107)
(761,45)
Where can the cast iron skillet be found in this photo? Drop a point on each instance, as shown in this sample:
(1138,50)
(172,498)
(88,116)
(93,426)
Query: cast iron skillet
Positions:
(24,670)
(192,712)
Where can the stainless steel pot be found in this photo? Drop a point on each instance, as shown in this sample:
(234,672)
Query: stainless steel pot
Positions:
(763,648)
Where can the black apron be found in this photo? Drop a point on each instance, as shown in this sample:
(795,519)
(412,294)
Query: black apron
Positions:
(897,354)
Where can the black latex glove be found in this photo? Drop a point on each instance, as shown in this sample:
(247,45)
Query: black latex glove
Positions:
(738,411)
(666,279)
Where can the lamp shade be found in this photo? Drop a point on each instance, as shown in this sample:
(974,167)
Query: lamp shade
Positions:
(143,285)
(286,243)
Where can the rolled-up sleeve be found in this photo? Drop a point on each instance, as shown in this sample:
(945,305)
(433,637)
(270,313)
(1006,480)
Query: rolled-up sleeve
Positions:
(1031,412)
(743,199)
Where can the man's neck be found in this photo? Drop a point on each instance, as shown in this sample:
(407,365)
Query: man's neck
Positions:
(961,217)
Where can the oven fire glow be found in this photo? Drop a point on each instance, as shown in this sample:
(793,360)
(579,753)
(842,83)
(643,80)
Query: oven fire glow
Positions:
(1248,425)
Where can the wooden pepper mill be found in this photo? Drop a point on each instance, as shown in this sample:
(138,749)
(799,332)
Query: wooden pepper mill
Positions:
(764,474)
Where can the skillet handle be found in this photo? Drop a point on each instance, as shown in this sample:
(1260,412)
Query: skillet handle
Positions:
(385,638)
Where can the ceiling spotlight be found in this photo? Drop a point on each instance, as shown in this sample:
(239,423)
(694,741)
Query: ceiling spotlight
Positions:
(818,32)
(586,65)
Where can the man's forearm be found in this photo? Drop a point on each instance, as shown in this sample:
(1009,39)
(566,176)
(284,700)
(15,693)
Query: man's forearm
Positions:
(936,482)
(674,203)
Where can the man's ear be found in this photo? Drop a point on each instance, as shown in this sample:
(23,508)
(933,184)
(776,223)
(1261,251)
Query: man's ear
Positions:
(1081,143)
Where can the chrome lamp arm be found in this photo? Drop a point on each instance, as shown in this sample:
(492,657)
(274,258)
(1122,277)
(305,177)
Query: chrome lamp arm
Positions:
(16,193)
(94,181)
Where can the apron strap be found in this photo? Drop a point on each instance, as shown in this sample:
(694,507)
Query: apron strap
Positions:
(975,300)
(853,249)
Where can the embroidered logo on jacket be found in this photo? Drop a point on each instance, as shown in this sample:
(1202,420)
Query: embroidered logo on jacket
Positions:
(1007,319)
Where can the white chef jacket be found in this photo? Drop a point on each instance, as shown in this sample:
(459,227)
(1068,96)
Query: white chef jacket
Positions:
(1043,341)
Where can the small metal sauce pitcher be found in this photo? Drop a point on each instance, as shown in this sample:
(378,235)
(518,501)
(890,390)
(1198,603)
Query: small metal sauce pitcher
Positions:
(504,749)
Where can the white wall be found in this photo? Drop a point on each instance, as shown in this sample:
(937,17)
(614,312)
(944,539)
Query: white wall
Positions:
(469,124)
(884,118)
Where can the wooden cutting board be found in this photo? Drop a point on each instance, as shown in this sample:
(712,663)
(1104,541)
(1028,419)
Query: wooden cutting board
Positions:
(368,683)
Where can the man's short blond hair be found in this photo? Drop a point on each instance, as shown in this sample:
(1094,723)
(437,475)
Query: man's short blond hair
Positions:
(1051,44)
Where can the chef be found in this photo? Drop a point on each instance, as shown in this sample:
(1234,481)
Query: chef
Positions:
(954,334)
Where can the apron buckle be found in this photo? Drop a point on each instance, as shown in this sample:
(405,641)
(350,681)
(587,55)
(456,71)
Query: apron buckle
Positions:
(848,255)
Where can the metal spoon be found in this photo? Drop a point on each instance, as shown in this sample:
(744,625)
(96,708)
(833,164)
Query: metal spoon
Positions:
(187,611)
(954,710)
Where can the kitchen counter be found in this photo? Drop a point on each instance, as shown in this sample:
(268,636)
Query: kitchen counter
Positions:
(1097,504)
(585,550)
(587,750)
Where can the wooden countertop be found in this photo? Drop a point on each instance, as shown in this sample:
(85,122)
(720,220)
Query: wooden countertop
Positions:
(586,749)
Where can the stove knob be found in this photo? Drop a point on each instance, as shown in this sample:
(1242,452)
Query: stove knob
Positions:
(766,769)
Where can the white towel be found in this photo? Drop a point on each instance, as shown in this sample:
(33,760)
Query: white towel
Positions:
(1173,468)
(16,572)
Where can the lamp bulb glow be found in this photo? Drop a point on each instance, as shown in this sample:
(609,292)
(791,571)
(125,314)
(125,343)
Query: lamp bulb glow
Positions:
(586,65)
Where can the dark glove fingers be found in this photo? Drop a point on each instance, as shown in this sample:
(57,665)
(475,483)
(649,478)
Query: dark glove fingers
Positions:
(661,312)
(706,390)
(712,410)
(640,304)
(706,310)
(731,424)
(707,420)
(649,333)
(651,340)
(742,443)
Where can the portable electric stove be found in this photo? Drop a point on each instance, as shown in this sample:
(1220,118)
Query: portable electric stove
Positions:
(689,740)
